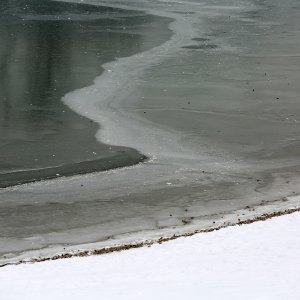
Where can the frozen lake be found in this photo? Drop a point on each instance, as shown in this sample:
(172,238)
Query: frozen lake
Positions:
(207,90)
(49,49)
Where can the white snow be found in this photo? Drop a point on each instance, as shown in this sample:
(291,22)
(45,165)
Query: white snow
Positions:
(256,261)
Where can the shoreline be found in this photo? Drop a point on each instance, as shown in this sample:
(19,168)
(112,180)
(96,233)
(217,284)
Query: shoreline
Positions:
(243,262)
(187,182)
(148,242)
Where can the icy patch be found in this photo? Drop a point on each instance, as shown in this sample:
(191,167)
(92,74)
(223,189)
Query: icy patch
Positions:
(104,101)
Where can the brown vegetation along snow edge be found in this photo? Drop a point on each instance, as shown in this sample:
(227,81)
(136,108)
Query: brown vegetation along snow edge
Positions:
(118,248)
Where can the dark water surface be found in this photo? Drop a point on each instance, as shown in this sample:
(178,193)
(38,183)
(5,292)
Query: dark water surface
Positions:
(48,49)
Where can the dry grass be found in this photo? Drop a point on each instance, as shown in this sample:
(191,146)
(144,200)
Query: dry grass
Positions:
(148,243)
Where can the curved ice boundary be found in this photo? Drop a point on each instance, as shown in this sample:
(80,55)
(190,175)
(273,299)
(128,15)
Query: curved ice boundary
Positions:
(103,102)
(134,203)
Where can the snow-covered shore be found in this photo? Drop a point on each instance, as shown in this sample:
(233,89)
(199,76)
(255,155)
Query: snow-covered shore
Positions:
(255,261)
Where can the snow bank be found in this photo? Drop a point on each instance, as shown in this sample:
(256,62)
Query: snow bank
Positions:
(257,261)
